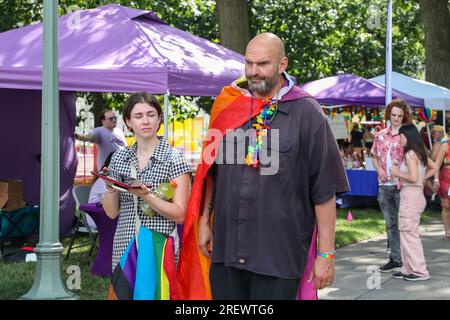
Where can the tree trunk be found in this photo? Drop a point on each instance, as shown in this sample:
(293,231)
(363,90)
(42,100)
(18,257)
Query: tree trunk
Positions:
(234,25)
(436,20)
(97,107)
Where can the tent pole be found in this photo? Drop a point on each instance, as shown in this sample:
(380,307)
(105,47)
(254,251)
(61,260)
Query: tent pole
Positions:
(166,115)
(48,282)
(388,74)
(443,120)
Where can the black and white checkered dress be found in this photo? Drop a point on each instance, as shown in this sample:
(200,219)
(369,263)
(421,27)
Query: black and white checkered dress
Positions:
(165,164)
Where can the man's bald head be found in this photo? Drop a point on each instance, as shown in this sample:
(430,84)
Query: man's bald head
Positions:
(268,40)
(265,62)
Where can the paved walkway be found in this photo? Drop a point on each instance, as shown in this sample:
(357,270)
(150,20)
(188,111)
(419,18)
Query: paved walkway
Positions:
(357,278)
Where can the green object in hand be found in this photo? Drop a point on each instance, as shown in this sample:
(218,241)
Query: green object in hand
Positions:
(164,191)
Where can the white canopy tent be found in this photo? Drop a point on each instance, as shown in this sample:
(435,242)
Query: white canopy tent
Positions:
(435,97)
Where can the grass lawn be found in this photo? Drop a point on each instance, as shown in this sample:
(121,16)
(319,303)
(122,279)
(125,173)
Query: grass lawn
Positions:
(17,278)
(367,223)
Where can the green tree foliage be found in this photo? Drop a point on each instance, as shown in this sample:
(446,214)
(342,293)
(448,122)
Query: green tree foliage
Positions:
(17,13)
(329,37)
(323,37)
(183,108)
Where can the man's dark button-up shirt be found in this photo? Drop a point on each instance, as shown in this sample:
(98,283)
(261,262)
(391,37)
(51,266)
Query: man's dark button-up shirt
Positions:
(264,218)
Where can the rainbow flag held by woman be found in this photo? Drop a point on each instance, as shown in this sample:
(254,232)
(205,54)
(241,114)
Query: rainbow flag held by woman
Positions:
(148,273)
(231,109)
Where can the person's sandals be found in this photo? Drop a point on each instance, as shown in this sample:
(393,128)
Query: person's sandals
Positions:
(446,238)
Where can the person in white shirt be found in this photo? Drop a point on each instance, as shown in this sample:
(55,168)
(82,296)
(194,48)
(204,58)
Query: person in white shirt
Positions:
(97,192)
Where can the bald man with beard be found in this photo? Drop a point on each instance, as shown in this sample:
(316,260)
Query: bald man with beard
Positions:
(264,214)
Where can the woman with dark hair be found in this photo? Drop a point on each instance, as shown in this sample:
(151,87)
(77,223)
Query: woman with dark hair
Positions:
(152,161)
(415,168)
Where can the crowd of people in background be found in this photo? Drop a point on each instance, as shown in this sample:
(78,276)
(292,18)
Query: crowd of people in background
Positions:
(412,166)
(355,151)
(357,147)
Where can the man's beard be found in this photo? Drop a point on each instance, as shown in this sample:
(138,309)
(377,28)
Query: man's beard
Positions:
(264,85)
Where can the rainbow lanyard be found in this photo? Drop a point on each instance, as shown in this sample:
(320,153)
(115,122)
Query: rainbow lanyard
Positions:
(261,125)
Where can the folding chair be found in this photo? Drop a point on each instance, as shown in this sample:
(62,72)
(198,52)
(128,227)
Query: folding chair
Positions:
(81,195)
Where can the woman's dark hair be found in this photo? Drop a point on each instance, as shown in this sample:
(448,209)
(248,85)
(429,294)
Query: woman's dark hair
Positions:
(140,97)
(414,142)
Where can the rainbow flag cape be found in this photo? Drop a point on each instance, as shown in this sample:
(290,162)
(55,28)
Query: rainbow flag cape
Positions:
(230,111)
(147,274)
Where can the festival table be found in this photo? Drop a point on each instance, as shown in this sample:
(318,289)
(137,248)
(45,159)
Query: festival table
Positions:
(362,183)
(363,188)
(106,228)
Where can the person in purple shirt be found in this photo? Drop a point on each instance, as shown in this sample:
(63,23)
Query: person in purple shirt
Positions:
(106,137)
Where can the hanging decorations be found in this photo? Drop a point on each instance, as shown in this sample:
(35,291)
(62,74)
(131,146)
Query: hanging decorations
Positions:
(426,115)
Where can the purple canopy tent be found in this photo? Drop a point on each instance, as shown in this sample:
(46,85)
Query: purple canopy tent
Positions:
(348,89)
(107,49)
(119,49)
(20,140)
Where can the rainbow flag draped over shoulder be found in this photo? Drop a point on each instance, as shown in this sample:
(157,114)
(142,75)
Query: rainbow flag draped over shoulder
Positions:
(230,110)
(148,273)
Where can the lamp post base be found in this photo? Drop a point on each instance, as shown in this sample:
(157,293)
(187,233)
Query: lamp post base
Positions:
(48,283)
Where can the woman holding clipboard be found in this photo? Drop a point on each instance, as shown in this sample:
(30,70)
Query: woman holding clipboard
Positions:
(151,161)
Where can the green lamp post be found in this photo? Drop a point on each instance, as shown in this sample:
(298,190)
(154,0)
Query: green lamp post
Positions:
(48,282)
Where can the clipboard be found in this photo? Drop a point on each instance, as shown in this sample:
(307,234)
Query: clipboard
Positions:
(118,185)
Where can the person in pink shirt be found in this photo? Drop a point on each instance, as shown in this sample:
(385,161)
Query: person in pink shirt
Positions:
(415,169)
(388,153)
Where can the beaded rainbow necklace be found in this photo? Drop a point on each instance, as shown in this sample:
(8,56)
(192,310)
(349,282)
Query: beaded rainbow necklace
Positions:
(261,125)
